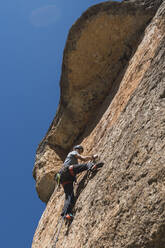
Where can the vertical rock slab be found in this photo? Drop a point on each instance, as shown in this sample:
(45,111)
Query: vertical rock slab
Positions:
(124,205)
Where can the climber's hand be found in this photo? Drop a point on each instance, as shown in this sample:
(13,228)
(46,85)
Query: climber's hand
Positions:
(95,156)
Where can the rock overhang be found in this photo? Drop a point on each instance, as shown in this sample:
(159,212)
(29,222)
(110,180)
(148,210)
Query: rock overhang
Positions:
(98,48)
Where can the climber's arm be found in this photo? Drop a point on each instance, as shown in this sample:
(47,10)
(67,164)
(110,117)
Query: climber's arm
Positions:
(86,158)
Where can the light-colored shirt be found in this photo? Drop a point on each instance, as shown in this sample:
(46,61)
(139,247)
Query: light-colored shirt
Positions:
(71,158)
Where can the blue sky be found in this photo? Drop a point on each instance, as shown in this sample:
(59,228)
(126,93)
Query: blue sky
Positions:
(32,38)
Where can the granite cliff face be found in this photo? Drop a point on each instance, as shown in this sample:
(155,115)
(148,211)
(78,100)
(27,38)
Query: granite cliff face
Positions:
(113,102)
(97,51)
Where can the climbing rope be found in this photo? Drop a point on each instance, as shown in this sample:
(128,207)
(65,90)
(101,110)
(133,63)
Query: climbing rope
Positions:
(59,229)
(59,221)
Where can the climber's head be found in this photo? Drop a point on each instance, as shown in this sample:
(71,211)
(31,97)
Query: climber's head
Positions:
(78,148)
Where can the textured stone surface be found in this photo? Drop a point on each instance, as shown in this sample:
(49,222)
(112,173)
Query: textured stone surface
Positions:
(98,48)
(145,3)
(123,205)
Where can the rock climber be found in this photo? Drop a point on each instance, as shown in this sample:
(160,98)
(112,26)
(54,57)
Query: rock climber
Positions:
(68,173)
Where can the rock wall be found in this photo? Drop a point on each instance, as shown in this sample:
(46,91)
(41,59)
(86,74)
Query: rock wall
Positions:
(123,205)
(98,49)
(145,3)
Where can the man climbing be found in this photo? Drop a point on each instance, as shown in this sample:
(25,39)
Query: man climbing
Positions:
(68,174)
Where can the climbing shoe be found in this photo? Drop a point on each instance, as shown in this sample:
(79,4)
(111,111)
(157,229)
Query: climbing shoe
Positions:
(69,217)
(96,166)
